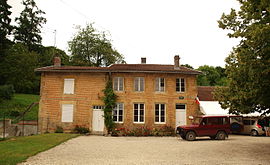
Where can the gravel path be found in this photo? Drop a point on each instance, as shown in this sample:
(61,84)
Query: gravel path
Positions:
(156,150)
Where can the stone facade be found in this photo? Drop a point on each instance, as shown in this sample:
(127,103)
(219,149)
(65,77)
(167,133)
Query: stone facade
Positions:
(88,88)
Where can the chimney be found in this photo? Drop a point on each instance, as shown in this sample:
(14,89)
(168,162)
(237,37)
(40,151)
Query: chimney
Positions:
(176,62)
(143,60)
(56,61)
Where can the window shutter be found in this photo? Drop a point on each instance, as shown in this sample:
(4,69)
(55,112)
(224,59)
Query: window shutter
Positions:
(69,86)
(67,112)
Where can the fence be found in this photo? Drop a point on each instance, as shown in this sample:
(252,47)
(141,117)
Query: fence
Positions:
(18,126)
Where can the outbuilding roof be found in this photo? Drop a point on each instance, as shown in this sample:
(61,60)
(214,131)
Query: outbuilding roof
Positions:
(205,93)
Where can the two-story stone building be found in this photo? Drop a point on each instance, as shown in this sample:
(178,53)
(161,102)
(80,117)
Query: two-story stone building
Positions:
(148,95)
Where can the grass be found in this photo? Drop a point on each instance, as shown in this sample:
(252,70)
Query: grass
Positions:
(19,103)
(18,149)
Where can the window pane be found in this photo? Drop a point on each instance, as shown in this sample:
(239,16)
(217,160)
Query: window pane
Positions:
(182,85)
(177,85)
(141,106)
(141,112)
(120,112)
(162,119)
(162,112)
(120,119)
(157,112)
(156,119)
(162,106)
(136,112)
(135,106)
(135,118)
(157,106)
(141,118)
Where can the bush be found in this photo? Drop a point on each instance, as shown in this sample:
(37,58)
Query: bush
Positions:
(81,129)
(144,131)
(6,92)
(59,129)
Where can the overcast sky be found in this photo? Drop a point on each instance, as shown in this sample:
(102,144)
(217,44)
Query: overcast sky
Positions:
(155,29)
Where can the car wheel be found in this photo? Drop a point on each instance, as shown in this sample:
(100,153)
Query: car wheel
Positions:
(254,133)
(190,136)
(221,135)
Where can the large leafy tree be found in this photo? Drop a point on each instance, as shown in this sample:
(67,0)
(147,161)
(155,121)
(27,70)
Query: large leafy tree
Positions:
(248,66)
(5,27)
(92,48)
(212,76)
(29,25)
(18,67)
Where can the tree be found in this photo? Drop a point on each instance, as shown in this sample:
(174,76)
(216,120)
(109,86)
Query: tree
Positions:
(212,76)
(5,27)
(18,69)
(46,55)
(29,25)
(92,48)
(247,67)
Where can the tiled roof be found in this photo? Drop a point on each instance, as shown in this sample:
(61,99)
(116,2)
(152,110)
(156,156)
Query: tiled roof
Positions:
(150,68)
(205,93)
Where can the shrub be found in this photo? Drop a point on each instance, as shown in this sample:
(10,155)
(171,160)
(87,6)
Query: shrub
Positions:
(81,129)
(59,129)
(6,92)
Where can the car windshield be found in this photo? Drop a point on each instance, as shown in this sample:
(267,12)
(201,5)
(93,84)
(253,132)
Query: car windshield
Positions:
(197,120)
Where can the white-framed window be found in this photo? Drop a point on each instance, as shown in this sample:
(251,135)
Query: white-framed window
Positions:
(118,113)
(139,84)
(180,85)
(160,84)
(69,86)
(160,113)
(138,110)
(67,112)
(118,83)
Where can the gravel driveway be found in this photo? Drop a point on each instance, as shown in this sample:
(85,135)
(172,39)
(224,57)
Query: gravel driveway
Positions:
(156,150)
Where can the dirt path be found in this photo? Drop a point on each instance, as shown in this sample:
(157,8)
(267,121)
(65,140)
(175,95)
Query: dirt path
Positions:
(156,150)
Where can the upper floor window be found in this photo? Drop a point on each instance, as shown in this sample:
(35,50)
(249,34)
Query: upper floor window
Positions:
(118,112)
(160,113)
(69,86)
(139,84)
(138,113)
(118,84)
(180,85)
(160,84)
(67,112)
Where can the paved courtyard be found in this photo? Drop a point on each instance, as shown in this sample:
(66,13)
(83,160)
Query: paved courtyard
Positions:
(156,150)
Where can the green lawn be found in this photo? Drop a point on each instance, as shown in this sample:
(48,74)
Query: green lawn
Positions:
(18,149)
(19,103)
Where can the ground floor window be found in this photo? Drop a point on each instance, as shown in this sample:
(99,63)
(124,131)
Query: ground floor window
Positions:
(138,112)
(118,112)
(67,112)
(159,113)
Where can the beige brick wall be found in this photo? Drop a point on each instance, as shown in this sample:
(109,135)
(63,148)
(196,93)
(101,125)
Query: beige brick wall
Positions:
(88,92)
